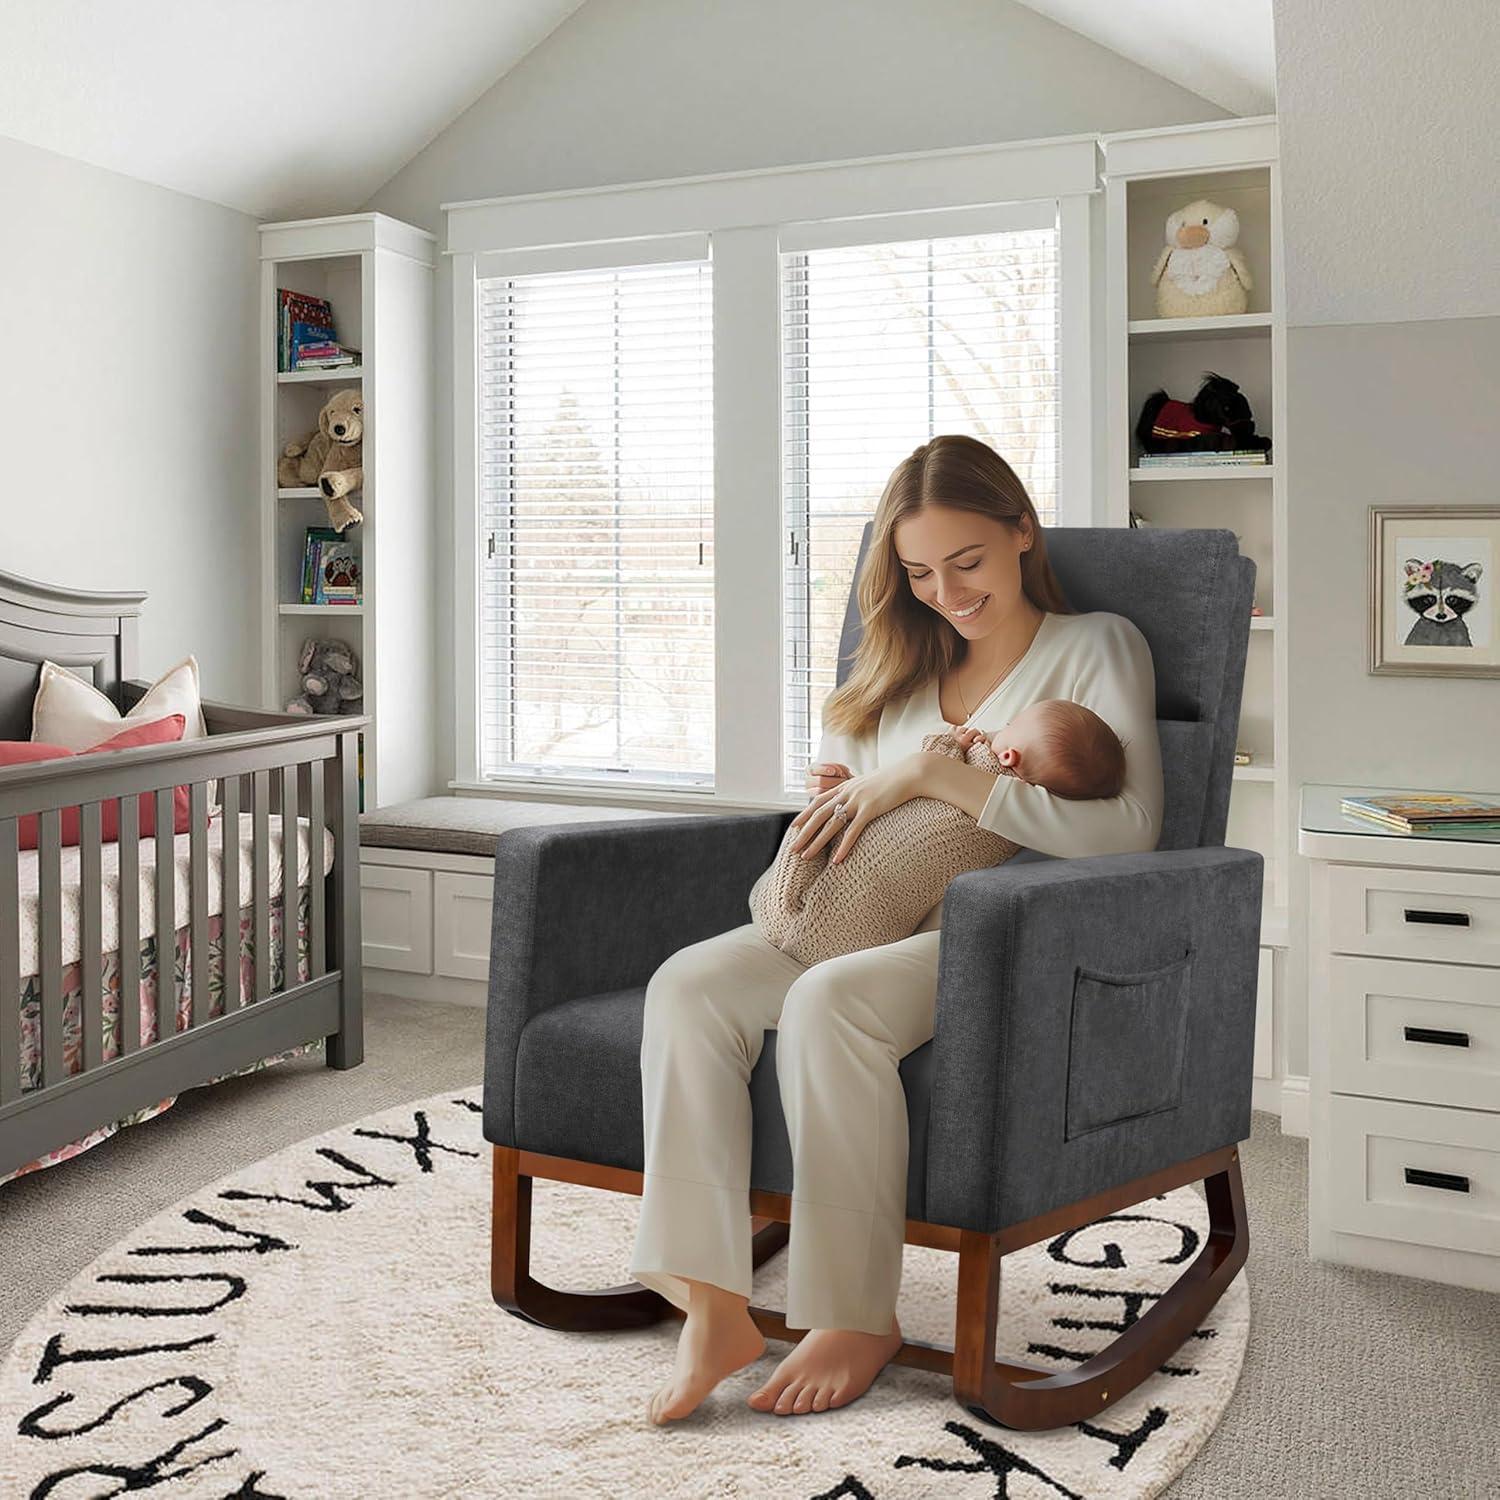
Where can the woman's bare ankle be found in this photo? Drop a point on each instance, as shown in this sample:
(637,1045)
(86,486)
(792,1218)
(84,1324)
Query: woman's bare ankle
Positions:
(707,1299)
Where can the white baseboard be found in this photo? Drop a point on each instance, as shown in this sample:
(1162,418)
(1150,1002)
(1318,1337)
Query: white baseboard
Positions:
(1265,1094)
(1294,1105)
(435,987)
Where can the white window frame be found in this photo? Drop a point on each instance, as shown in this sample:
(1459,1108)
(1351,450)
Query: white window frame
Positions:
(747,218)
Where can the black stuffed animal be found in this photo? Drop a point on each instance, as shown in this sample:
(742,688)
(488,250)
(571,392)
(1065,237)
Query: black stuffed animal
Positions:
(1218,419)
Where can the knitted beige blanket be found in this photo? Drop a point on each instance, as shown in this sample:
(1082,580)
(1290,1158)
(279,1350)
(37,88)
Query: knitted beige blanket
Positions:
(896,873)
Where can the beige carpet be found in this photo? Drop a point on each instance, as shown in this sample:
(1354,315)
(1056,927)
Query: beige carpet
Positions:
(1355,1383)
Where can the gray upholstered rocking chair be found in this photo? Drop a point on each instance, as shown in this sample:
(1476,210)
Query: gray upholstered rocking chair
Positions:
(1093,1032)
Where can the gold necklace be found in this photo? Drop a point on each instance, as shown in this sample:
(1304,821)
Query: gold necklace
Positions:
(1006,668)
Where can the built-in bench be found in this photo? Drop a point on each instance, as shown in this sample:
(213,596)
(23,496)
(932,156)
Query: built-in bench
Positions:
(426,879)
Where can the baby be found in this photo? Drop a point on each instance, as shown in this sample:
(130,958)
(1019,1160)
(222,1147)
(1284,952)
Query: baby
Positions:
(902,861)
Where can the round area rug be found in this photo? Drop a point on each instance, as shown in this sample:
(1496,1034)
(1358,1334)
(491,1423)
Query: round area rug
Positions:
(320,1325)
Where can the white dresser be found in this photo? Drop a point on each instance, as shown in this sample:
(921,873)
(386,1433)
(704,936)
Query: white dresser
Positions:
(1404,1044)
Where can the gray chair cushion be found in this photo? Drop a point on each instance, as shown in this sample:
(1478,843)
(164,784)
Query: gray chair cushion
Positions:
(472,825)
(578,1093)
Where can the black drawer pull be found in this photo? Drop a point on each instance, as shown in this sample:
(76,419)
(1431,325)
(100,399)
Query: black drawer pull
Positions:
(1431,1034)
(1438,918)
(1421,1177)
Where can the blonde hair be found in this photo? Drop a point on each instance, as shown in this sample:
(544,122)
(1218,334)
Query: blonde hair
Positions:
(903,644)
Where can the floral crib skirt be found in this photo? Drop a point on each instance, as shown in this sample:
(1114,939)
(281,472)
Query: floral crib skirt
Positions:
(182,976)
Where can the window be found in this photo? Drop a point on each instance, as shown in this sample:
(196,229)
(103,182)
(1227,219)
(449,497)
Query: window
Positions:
(675,404)
(885,346)
(595,486)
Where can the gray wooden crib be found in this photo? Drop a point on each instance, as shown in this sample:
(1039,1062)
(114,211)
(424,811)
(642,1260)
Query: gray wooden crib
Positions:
(265,766)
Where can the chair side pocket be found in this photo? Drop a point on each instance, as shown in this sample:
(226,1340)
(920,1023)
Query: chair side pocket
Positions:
(1125,1044)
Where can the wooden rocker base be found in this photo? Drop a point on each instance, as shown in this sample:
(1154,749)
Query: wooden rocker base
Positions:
(1023,1397)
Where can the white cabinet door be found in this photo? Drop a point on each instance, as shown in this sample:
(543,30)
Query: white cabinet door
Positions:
(461,924)
(395,906)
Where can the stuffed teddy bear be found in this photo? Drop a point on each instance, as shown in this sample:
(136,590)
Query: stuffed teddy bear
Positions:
(329,682)
(330,457)
(1201,273)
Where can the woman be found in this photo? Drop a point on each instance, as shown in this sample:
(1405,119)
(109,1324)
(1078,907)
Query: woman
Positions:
(962,618)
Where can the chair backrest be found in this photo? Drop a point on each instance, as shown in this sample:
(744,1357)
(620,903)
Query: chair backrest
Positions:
(1189,593)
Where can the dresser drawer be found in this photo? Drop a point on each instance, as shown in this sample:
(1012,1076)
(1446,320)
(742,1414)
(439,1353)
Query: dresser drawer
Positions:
(1420,1031)
(1447,915)
(1415,1172)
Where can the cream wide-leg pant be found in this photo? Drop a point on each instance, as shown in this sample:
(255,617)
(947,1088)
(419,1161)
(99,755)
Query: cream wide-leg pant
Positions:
(843,1026)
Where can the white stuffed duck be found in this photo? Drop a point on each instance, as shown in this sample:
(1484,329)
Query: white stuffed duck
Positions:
(1201,273)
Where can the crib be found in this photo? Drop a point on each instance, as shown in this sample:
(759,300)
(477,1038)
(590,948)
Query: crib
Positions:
(242,947)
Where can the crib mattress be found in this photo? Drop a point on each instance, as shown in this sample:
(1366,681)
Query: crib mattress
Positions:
(30,895)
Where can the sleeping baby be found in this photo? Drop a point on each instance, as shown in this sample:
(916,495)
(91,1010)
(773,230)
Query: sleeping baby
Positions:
(902,861)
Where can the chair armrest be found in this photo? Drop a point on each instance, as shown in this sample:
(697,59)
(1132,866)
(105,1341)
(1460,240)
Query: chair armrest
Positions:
(588,908)
(1095,1021)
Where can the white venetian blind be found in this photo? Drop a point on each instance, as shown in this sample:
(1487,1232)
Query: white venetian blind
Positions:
(885,346)
(596,516)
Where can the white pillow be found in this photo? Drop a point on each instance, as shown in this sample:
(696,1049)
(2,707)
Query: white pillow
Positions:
(70,712)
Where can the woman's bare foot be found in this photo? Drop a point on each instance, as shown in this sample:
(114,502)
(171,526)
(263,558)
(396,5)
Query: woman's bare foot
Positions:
(828,1367)
(718,1338)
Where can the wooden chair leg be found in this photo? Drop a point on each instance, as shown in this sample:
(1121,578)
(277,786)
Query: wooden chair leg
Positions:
(519,1293)
(1027,1399)
(1016,1396)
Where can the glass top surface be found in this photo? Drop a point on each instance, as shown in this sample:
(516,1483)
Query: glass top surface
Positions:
(1320,813)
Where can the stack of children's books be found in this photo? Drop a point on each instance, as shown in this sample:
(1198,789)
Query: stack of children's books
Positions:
(1227,458)
(305,339)
(1426,812)
(330,568)
(324,354)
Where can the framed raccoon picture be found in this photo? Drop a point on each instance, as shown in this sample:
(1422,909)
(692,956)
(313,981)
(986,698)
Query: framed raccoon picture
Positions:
(1432,590)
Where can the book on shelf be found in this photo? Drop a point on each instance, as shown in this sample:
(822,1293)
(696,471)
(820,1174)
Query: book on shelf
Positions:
(338,580)
(298,308)
(312,550)
(1201,460)
(305,335)
(1417,812)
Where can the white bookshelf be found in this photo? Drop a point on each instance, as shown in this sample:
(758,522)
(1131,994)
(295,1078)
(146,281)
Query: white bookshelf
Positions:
(377,274)
(1147,175)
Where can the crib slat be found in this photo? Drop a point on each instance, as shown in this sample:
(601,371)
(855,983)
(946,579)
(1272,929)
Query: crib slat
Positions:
(289,872)
(229,906)
(10,963)
(198,899)
(262,925)
(316,880)
(49,886)
(91,935)
(130,925)
(166,916)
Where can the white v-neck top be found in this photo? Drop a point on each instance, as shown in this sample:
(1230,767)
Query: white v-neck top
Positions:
(1100,660)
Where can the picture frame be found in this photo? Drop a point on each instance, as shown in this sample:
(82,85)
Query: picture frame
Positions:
(1434,604)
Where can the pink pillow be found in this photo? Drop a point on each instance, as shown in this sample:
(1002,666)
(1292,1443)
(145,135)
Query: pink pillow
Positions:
(158,732)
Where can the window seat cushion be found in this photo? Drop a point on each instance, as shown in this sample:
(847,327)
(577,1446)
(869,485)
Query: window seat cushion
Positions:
(473,825)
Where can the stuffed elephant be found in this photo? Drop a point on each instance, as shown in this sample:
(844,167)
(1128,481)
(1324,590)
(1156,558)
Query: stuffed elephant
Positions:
(330,684)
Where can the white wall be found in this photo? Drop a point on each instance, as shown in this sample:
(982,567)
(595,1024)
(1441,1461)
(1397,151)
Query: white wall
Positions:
(128,404)
(633,90)
(1391,198)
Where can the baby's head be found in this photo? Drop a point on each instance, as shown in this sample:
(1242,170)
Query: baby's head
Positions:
(1064,747)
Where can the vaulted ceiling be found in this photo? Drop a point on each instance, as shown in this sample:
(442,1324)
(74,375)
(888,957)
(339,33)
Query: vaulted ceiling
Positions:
(214,97)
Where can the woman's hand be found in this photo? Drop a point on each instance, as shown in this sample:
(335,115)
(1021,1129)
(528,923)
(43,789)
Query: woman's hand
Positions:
(824,776)
(865,797)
